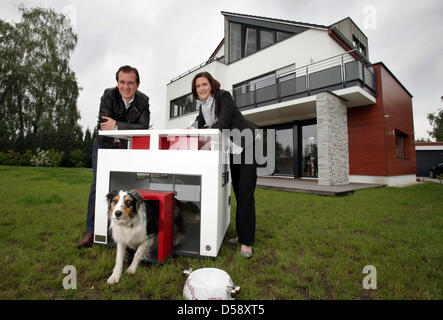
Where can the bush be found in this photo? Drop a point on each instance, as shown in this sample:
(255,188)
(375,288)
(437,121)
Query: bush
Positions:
(3,158)
(12,158)
(47,158)
(78,158)
(25,159)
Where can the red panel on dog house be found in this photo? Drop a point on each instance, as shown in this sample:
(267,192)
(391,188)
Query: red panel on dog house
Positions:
(184,143)
(165,200)
(141,142)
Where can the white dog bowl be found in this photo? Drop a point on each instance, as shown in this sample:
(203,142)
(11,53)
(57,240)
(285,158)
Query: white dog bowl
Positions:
(209,284)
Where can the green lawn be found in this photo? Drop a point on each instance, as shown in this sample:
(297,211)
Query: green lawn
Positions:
(307,246)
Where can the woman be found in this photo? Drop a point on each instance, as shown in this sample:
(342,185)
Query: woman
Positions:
(217,109)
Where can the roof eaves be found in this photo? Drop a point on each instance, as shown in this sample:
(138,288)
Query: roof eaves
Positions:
(296,23)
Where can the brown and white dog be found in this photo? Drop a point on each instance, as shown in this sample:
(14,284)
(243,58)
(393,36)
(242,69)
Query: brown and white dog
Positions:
(130,220)
(134,226)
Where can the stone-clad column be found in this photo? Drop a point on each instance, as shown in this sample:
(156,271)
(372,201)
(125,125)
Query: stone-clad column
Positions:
(332,134)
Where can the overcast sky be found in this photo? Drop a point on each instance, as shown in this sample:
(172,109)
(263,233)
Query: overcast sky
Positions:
(164,38)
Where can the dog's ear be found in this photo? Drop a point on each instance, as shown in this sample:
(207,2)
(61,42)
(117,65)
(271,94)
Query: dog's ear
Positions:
(111,196)
(137,197)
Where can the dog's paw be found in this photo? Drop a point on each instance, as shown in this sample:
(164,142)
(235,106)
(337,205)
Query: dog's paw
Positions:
(113,279)
(131,269)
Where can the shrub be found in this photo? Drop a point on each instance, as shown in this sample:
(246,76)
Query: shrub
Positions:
(78,158)
(10,158)
(25,159)
(3,158)
(47,158)
(55,157)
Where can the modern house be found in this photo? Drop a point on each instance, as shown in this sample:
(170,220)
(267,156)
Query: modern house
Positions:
(337,117)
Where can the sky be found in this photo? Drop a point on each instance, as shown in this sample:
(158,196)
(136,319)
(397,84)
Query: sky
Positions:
(164,38)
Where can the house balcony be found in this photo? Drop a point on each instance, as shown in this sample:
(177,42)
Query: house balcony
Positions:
(291,92)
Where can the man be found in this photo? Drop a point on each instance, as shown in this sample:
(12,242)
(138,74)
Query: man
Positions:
(121,108)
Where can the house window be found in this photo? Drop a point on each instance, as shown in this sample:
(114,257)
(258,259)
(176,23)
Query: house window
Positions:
(245,40)
(355,42)
(235,42)
(266,38)
(262,82)
(183,105)
(254,84)
(363,49)
(359,46)
(283,35)
(251,41)
(400,144)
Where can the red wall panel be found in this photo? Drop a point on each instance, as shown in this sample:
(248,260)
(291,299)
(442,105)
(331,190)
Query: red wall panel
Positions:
(397,105)
(372,149)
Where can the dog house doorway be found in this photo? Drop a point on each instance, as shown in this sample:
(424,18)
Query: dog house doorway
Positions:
(187,201)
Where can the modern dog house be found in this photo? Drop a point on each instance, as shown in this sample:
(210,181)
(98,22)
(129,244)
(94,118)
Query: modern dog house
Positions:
(338,118)
(169,165)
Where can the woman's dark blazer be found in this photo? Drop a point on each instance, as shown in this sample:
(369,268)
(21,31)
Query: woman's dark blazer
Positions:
(229,117)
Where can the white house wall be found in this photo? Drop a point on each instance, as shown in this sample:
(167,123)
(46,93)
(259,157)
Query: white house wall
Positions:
(303,49)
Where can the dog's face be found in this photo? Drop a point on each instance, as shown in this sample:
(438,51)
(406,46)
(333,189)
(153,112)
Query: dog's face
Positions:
(123,205)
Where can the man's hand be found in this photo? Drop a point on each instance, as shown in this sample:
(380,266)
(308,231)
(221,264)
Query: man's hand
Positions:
(108,125)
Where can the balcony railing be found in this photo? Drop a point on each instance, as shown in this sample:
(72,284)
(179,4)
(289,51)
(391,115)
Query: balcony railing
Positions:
(333,73)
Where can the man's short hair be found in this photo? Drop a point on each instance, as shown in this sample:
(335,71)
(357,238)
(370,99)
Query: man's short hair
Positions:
(128,69)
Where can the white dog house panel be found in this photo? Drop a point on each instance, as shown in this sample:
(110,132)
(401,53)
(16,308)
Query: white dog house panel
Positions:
(192,164)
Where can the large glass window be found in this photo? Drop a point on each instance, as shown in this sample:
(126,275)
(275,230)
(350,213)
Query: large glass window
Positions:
(266,38)
(262,82)
(282,35)
(251,41)
(244,40)
(284,152)
(182,105)
(309,151)
(235,42)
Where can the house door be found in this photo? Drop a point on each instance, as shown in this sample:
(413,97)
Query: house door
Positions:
(296,149)
(308,151)
(284,151)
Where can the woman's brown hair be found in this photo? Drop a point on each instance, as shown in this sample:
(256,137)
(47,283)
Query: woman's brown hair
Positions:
(215,85)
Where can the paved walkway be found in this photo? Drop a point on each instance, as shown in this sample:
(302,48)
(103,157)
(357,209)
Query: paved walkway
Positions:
(311,186)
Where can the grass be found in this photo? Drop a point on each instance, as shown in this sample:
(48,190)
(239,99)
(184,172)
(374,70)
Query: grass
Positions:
(307,246)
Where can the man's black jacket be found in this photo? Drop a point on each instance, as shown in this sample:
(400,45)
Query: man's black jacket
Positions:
(135,117)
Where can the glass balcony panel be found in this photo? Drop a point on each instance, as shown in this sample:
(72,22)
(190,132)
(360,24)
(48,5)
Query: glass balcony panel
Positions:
(287,87)
(353,71)
(267,93)
(325,78)
(300,84)
(370,79)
